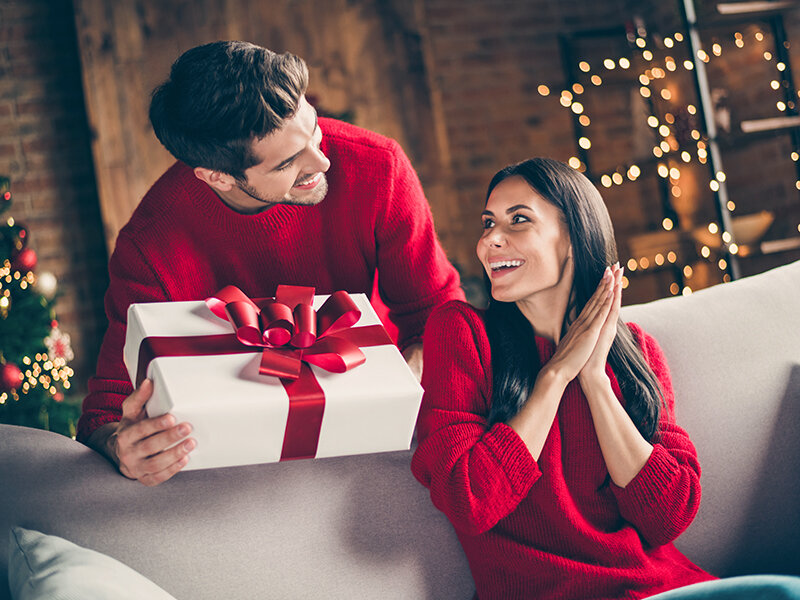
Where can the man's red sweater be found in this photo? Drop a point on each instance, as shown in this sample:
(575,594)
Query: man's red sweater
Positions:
(555,528)
(184,243)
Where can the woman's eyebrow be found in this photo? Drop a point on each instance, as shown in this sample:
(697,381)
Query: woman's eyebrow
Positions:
(517,207)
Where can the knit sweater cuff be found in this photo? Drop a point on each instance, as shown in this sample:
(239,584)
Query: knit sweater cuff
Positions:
(647,488)
(513,456)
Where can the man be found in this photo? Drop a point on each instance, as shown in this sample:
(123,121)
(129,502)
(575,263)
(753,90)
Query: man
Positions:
(264,193)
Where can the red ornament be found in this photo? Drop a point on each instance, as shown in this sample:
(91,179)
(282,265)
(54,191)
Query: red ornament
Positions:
(10,377)
(25,261)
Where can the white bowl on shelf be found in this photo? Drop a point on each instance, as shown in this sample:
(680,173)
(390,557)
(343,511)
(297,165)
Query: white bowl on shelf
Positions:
(746,230)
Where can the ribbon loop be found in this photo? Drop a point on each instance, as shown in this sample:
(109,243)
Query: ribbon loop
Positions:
(305,326)
(277,323)
(334,354)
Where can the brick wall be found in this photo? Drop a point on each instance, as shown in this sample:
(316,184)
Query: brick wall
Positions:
(44,149)
(487,60)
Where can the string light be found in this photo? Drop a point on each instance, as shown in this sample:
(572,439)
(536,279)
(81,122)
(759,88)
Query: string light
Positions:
(669,142)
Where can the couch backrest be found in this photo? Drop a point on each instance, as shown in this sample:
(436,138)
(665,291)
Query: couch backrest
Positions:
(352,527)
(734,355)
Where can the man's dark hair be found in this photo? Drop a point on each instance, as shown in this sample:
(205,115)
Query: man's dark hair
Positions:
(223,96)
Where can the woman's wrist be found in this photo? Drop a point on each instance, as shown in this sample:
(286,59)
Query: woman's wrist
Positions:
(595,383)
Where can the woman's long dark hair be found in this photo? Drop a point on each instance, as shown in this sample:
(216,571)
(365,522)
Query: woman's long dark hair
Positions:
(515,358)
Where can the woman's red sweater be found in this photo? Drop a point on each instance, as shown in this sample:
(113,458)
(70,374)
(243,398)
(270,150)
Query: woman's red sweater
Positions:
(557,527)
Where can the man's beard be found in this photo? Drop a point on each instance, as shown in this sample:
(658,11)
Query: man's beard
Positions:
(310,198)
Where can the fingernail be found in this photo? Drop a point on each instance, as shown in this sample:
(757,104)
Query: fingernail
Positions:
(189,445)
(168,421)
(185,429)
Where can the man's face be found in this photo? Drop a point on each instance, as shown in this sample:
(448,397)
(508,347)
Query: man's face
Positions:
(291,169)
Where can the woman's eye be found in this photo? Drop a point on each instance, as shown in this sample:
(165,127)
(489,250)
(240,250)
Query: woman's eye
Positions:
(516,219)
(488,223)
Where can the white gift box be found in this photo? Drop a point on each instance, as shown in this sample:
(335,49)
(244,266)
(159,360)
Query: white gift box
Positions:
(239,416)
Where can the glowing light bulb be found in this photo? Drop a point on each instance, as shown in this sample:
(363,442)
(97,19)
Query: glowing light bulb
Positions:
(544,90)
(667,224)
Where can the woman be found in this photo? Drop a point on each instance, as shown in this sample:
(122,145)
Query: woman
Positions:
(547,433)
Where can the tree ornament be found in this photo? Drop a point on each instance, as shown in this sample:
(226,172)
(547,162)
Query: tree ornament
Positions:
(5,194)
(18,236)
(25,260)
(46,284)
(10,377)
(5,306)
(58,345)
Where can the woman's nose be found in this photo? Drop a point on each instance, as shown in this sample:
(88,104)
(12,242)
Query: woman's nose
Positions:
(495,237)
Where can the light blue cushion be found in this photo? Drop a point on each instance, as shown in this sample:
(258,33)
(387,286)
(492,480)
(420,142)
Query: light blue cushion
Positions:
(46,566)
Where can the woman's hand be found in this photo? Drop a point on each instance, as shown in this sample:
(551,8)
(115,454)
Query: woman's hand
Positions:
(581,339)
(595,366)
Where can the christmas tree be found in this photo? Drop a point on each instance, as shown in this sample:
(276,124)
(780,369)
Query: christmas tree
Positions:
(34,352)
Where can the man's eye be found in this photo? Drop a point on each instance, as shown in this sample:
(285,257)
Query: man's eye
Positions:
(284,167)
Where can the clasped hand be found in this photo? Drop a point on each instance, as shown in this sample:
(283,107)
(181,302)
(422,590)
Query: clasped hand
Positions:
(583,351)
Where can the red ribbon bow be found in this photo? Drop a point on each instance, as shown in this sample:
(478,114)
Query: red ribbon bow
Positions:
(290,331)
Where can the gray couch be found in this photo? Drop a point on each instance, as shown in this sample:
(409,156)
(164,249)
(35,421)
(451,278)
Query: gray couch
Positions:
(362,527)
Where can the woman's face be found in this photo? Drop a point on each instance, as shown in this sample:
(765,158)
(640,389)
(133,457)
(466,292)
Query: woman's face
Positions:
(525,247)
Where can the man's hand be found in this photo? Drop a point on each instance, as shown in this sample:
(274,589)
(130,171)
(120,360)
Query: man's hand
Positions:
(413,356)
(145,449)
